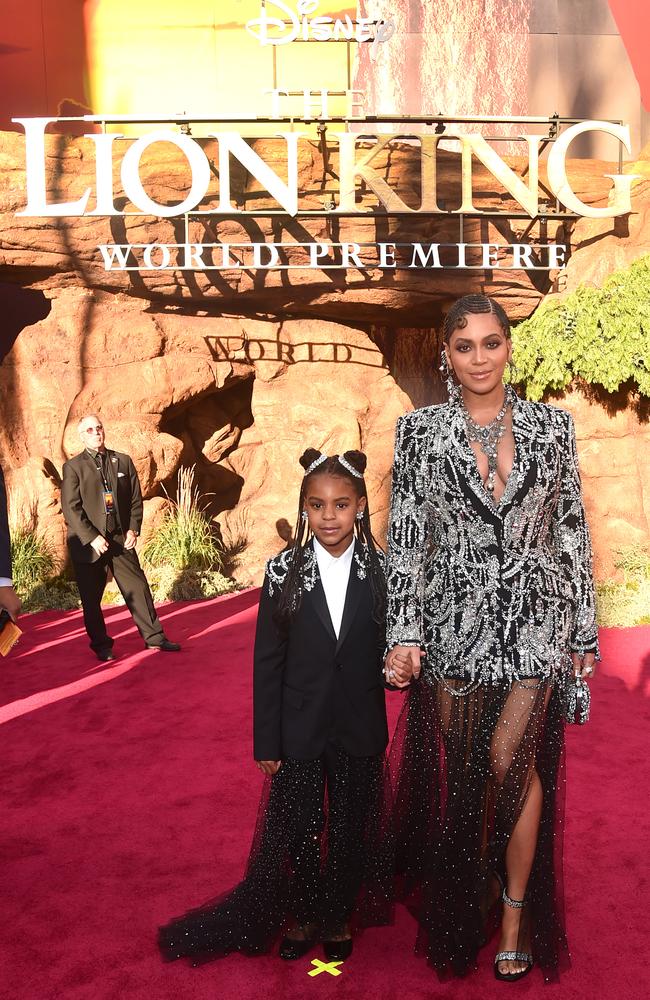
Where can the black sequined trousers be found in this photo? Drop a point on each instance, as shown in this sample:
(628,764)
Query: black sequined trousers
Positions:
(322,856)
(463,765)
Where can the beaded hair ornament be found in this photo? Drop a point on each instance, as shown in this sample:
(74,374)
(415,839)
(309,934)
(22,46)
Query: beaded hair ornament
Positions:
(340,459)
(314,465)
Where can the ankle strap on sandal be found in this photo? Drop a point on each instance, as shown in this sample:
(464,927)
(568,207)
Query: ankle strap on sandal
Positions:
(513,956)
(516,904)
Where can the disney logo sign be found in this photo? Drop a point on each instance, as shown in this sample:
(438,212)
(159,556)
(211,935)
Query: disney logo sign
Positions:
(298,24)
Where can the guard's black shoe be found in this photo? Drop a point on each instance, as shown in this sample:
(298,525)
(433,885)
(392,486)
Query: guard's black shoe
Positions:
(106,655)
(166,646)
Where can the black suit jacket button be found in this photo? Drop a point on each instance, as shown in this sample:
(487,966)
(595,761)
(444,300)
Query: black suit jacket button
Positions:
(339,666)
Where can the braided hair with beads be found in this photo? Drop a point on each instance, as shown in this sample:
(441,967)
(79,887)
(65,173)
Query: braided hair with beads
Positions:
(315,463)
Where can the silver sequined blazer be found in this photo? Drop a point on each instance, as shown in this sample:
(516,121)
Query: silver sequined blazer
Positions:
(492,591)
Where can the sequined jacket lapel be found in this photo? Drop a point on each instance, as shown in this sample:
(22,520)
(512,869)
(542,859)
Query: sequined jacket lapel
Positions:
(312,586)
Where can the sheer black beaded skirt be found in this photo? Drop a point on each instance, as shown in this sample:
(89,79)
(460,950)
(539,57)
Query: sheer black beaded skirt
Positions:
(321,858)
(462,765)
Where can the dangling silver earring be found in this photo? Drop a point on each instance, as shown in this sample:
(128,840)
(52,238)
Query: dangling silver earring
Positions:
(359,515)
(453,389)
(303,514)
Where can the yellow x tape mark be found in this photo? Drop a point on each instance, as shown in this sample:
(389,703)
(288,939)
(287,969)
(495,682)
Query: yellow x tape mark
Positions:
(331,967)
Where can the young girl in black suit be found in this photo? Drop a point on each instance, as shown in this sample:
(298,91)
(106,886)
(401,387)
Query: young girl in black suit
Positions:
(320,864)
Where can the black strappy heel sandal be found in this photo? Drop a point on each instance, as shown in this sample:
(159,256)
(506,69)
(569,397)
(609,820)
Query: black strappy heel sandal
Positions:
(512,956)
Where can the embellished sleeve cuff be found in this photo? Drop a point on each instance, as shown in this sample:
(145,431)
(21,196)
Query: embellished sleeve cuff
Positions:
(392,642)
(586,646)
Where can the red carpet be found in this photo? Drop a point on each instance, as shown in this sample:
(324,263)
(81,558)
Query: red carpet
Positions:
(129,795)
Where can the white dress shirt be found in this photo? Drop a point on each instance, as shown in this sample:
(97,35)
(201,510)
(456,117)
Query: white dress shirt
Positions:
(6,582)
(335,574)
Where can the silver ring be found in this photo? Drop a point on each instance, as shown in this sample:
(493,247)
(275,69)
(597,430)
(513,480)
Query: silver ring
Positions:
(588,670)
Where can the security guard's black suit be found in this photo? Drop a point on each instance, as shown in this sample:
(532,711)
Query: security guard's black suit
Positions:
(82,500)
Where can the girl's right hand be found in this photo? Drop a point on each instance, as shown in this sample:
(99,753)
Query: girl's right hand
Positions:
(269,767)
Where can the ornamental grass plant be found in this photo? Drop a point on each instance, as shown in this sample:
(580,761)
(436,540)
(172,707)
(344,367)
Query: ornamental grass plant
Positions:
(168,584)
(184,557)
(186,539)
(32,558)
(54,594)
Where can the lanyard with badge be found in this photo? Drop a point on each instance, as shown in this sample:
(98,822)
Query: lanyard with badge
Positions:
(109,498)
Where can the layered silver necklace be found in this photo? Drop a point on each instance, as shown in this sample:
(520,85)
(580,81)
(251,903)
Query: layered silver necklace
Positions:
(489,436)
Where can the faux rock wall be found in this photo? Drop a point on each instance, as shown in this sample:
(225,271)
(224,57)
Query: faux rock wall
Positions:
(237,374)
(214,392)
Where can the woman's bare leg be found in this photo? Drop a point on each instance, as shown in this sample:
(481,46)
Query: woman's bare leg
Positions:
(513,727)
(520,855)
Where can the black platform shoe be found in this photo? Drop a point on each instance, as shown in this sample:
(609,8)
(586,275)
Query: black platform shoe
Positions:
(337,951)
(292,948)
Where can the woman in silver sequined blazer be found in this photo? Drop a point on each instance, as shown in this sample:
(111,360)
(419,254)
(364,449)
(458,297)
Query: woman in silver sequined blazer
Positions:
(490,586)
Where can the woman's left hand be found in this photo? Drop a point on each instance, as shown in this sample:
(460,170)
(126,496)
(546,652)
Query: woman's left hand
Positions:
(584,664)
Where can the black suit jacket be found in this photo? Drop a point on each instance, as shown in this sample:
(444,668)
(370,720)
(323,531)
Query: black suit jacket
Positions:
(309,686)
(5,542)
(82,501)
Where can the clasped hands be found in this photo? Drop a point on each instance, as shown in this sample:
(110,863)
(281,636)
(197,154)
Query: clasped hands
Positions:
(100,544)
(402,665)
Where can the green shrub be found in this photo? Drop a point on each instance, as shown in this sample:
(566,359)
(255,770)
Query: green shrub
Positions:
(169,584)
(31,558)
(55,594)
(627,602)
(600,336)
(186,539)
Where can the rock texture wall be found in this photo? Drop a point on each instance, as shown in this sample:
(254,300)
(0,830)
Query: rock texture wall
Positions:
(238,373)
(238,398)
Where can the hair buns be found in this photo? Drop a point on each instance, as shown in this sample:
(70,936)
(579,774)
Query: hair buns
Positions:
(335,464)
(308,456)
(357,460)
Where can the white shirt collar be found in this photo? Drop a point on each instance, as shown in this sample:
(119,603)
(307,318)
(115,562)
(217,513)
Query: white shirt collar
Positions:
(335,576)
(325,559)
